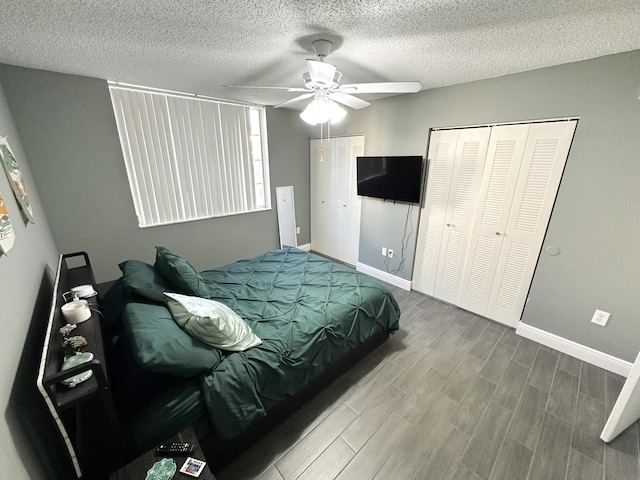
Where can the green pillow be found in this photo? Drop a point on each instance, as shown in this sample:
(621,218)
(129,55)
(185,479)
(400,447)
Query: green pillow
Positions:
(160,345)
(212,322)
(142,279)
(180,274)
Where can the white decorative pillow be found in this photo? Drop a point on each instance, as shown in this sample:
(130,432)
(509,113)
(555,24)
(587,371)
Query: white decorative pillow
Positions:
(211,322)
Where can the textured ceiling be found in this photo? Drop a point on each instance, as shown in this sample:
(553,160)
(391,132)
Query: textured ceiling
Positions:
(199,46)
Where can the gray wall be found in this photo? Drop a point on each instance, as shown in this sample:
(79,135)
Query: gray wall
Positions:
(595,219)
(390,225)
(70,137)
(29,444)
(289,157)
(65,132)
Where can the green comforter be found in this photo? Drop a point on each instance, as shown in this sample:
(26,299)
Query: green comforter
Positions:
(307,310)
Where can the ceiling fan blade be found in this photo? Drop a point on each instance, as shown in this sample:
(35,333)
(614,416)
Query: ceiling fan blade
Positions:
(320,72)
(288,89)
(294,100)
(382,87)
(348,100)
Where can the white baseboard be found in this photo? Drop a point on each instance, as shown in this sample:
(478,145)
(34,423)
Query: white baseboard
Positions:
(384,276)
(577,350)
(306,247)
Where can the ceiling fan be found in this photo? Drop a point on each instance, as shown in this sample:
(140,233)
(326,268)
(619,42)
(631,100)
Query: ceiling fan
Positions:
(322,83)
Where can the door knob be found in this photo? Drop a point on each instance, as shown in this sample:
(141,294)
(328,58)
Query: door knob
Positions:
(450,225)
(497,234)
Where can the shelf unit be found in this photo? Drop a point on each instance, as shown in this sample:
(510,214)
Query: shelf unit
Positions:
(66,404)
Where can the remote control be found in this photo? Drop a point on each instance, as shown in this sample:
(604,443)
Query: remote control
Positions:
(175,448)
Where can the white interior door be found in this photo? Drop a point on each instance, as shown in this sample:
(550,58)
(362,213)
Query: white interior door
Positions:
(335,206)
(542,165)
(469,161)
(490,193)
(504,156)
(354,202)
(626,410)
(320,183)
(440,157)
(339,199)
(286,216)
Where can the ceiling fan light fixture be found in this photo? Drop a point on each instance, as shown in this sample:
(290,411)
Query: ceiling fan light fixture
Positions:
(322,111)
(312,84)
(316,112)
(336,112)
(322,82)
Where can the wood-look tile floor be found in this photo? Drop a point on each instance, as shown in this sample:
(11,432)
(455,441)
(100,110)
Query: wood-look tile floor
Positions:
(451,396)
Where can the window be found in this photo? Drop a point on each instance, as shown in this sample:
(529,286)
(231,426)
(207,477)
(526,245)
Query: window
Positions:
(190,158)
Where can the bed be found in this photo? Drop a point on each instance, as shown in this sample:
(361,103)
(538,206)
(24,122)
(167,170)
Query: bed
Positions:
(312,316)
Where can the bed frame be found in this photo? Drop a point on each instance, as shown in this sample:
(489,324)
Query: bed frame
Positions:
(73,409)
(219,453)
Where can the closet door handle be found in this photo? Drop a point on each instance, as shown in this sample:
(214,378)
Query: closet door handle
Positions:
(450,225)
(498,234)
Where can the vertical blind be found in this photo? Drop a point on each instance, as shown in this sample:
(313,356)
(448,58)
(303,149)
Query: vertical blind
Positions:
(190,158)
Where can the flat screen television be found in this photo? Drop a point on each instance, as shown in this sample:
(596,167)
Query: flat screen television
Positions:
(390,178)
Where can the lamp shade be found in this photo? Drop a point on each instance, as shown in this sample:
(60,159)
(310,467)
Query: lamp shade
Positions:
(321,111)
(336,112)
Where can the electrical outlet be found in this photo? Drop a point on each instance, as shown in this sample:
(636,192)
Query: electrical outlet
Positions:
(600,318)
(298,230)
(384,251)
(390,253)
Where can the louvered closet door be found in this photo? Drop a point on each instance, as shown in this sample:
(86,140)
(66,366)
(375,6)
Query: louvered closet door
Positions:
(543,162)
(339,198)
(442,149)
(356,149)
(320,182)
(504,156)
(335,205)
(469,160)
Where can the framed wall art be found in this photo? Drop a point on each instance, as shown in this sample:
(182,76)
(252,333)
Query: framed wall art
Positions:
(7,236)
(14,174)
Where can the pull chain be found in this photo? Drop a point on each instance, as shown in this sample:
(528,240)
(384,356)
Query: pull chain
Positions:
(321,146)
